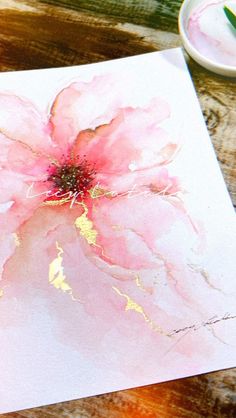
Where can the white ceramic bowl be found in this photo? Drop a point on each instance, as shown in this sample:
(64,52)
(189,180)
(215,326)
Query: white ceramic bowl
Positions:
(184,14)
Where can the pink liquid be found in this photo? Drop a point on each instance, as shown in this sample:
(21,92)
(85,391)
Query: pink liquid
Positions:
(212,34)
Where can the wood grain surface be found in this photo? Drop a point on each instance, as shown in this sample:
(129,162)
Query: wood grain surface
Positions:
(52,33)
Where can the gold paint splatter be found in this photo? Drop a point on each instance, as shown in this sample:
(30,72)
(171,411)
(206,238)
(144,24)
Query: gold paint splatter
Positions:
(16,239)
(56,273)
(133,306)
(85,227)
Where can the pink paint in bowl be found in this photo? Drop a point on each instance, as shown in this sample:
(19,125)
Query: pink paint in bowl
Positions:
(208,36)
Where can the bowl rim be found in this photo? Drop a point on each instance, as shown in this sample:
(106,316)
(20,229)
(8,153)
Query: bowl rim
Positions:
(210,64)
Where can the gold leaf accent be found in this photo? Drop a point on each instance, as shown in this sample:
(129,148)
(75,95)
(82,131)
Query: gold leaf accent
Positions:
(133,306)
(139,283)
(85,227)
(205,275)
(56,202)
(1,292)
(16,239)
(97,192)
(117,228)
(56,273)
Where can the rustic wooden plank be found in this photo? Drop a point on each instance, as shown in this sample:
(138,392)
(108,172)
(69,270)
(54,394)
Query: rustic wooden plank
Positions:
(34,40)
(51,33)
(149,13)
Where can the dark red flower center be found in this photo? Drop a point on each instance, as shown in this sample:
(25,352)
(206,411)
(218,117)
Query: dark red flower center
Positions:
(72,176)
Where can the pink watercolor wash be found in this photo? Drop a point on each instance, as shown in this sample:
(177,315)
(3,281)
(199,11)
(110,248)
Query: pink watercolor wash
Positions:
(96,234)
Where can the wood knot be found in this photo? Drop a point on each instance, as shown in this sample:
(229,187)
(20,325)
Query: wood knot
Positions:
(212,118)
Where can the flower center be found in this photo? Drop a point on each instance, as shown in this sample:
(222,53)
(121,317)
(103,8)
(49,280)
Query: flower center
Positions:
(72,176)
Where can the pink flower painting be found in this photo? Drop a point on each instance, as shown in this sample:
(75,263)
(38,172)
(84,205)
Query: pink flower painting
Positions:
(99,252)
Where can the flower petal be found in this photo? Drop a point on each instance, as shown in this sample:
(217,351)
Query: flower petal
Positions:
(17,157)
(80,106)
(132,141)
(17,200)
(143,182)
(20,121)
(151,233)
(8,243)
(50,259)
(87,305)
(141,231)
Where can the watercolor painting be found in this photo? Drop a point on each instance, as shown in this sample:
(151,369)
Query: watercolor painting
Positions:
(110,250)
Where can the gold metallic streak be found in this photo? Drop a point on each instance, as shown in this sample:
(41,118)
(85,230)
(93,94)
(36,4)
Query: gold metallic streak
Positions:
(117,228)
(131,305)
(96,192)
(1,293)
(85,227)
(56,202)
(16,239)
(37,154)
(140,284)
(205,275)
(56,274)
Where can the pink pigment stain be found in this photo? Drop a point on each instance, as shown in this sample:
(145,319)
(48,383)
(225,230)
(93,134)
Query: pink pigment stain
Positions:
(212,34)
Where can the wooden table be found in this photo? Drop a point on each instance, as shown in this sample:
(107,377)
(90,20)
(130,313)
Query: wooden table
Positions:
(52,33)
